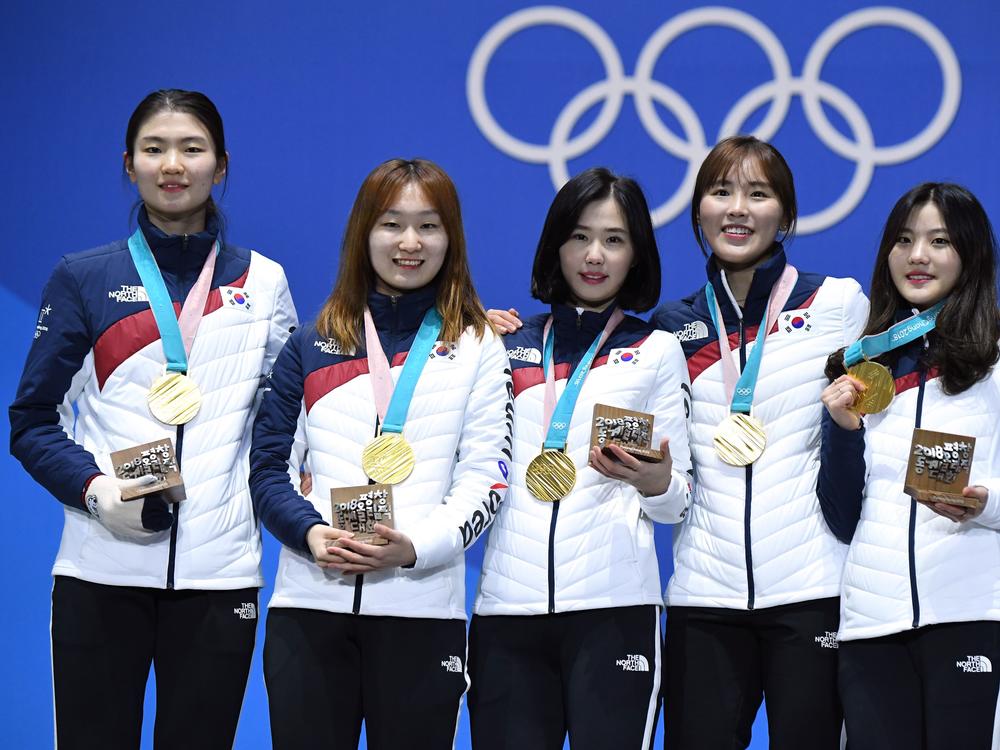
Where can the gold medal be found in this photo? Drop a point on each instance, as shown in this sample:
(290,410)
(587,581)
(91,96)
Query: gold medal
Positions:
(174,398)
(880,388)
(740,439)
(388,459)
(551,476)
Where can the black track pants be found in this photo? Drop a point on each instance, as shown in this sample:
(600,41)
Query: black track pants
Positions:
(104,639)
(720,664)
(325,672)
(934,688)
(594,674)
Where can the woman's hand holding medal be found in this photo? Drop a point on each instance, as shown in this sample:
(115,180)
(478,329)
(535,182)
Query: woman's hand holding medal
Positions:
(840,398)
(650,478)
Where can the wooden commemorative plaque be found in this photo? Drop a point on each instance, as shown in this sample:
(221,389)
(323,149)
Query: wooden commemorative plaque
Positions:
(156,458)
(632,431)
(939,468)
(358,509)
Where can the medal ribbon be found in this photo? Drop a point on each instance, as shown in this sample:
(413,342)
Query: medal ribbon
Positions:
(740,387)
(898,335)
(176,333)
(558,415)
(392,403)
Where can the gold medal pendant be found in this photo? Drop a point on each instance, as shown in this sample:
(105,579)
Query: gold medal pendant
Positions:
(740,439)
(551,476)
(174,398)
(388,459)
(880,388)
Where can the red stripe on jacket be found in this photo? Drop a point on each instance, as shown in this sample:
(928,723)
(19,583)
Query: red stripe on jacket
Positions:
(709,354)
(526,377)
(320,382)
(137,331)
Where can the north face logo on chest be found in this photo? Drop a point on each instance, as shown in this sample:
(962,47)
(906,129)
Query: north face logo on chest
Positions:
(525,354)
(328,346)
(696,329)
(126,293)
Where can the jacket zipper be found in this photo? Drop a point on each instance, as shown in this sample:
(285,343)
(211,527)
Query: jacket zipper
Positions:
(176,511)
(748,492)
(912,552)
(175,508)
(359,580)
(552,558)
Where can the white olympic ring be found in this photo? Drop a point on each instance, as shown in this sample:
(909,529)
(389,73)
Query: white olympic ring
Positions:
(645,90)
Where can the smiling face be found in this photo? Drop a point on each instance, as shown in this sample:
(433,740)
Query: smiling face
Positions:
(174,166)
(598,255)
(408,244)
(740,216)
(923,263)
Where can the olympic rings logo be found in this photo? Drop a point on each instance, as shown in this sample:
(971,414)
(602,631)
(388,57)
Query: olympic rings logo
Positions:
(694,146)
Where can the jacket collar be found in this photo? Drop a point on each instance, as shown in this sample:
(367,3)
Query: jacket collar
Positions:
(765,276)
(177,253)
(402,312)
(578,326)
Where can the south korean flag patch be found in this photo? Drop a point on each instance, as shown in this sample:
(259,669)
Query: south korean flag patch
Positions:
(235,298)
(444,350)
(623,357)
(796,321)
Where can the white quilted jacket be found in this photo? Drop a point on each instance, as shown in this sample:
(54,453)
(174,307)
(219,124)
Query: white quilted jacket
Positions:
(217,542)
(458,425)
(955,574)
(755,537)
(600,537)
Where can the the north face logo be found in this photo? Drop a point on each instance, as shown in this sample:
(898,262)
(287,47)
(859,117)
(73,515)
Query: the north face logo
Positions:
(248,611)
(633,663)
(696,329)
(525,354)
(975,664)
(328,346)
(827,640)
(452,664)
(129,294)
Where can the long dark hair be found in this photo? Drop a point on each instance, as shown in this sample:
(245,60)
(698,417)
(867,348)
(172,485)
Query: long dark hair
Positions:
(969,320)
(341,316)
(641,288)
(201,108)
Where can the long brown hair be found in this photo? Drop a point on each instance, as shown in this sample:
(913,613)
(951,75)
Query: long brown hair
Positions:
(341,315)
(965,347)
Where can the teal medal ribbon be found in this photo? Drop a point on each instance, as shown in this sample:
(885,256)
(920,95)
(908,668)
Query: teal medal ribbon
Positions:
(173,397)
(389,459)
(558,432)
(402,394)
(898,335)
(746,385)
(740,438)
(159,302)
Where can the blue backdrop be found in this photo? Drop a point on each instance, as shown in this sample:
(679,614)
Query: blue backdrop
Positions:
(509,98)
